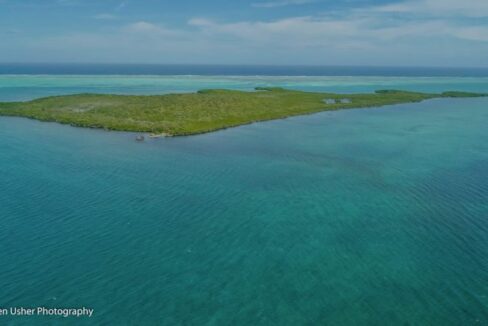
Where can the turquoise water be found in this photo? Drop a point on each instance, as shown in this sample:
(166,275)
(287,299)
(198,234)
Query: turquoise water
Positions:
(355,217)
(26,87)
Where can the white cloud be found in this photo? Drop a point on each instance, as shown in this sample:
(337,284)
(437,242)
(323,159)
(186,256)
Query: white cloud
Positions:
(331,32)
(200,22)
(150,30)
(287,32)
(470,8)
(472,33)
(143,26)
(281,3)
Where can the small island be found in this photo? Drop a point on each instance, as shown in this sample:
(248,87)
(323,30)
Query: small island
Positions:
(201,112)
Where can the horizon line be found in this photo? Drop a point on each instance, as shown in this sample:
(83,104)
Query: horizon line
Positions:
(242,65)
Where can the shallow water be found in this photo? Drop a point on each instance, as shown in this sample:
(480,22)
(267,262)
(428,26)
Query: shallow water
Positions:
(354,217)
(27,87)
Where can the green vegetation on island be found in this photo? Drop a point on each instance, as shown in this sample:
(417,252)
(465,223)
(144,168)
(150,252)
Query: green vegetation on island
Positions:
(204,111)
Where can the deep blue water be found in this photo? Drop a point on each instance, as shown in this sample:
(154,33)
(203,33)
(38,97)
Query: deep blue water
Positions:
(354,217)
(235,70)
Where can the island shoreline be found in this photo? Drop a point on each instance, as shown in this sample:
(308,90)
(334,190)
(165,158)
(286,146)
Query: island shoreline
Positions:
(202,112)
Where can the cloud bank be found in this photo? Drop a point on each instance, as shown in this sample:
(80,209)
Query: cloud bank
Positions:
(412,32)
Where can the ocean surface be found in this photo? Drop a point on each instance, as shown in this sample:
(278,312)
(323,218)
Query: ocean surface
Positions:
(28,87)
(233,70)
(356,217)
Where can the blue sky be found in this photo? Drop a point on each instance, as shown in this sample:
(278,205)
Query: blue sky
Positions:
(312,32)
